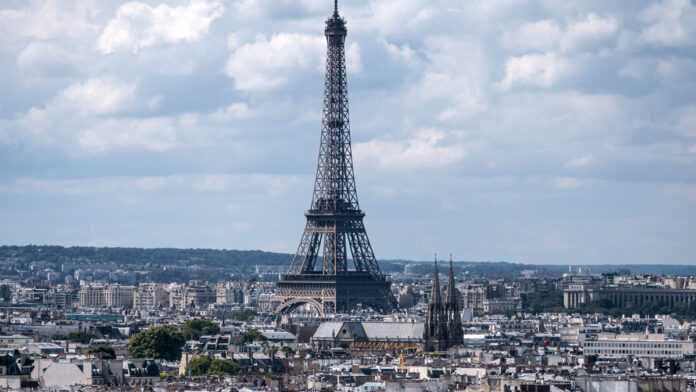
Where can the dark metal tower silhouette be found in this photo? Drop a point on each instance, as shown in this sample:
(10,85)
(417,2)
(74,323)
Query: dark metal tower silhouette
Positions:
(322,274)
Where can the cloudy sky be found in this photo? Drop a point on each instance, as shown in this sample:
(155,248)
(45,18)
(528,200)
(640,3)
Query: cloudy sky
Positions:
(546,131)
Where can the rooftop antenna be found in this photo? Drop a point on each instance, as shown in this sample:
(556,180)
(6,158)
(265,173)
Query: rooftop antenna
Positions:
(336,7)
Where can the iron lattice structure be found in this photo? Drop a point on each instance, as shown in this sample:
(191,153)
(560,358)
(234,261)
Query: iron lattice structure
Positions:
(334,220)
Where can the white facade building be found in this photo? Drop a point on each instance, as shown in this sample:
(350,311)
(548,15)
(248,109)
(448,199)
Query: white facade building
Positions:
(150,296)
(638,345)
(113,295)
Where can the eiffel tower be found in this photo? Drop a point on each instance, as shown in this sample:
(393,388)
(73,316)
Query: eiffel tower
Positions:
(322,276)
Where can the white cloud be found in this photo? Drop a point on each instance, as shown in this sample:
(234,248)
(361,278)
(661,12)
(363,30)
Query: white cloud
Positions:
(45,60)
(669,23)
(74,109)
(453,80)
(88,117)
(266,64)
(568,183)
(235,111)
(538,70)
(138,25)
(550,35)
(95,135)
(152,134)
(592,29)
(403,53)
(400,16)
(539,35)
(686,122)
(256,184)
(98,96)
(50,19)
(580,162)
(426,149)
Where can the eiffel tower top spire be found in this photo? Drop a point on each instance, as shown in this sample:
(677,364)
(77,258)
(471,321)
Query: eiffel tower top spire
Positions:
(336,27)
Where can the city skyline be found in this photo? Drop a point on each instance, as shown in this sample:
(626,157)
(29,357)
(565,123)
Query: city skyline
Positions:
(535,132)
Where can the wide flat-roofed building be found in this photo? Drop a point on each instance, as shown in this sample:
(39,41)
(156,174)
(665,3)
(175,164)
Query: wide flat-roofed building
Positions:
(639,296)
(638,345)
(578,295)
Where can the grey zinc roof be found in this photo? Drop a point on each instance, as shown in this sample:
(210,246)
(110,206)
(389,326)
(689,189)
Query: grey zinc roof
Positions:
(401,331)
(277,335)
(328,329)
(370,330)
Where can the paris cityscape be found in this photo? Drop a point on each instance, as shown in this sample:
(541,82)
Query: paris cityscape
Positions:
(353,195)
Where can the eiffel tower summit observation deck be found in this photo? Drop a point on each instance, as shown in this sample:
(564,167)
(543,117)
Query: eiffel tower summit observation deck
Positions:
(323,277)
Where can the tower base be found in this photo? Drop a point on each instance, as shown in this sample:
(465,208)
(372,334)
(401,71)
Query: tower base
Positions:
(327,294)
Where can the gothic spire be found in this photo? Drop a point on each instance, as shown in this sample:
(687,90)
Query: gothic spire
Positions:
(454,321)
(451,290)
(435,295)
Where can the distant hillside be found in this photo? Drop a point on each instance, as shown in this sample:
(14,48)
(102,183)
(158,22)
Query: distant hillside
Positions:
(158,256)
(222,258)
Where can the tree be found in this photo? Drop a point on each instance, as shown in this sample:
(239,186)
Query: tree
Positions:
(163,342)
(243,315)
(201,366)
(103,352)
(252,335)
(223,367)
(5,293)
(80,337)
(194,329)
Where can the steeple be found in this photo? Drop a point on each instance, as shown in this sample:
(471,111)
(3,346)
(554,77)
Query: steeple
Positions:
(436,298)
(435,328)
(443,324)
(454,318)
(451,289)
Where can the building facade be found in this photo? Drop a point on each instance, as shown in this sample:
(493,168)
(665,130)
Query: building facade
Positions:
(150,296)
(578,295)
(638,345)
(113,295)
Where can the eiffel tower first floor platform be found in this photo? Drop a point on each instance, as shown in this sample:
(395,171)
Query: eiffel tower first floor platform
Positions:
(340,293)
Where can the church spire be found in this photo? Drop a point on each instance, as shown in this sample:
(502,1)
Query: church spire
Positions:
(451,290)
(435,328)
(436,293)
(454,318)
(443,323)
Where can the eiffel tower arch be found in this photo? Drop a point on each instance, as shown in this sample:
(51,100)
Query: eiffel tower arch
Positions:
(334,265)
